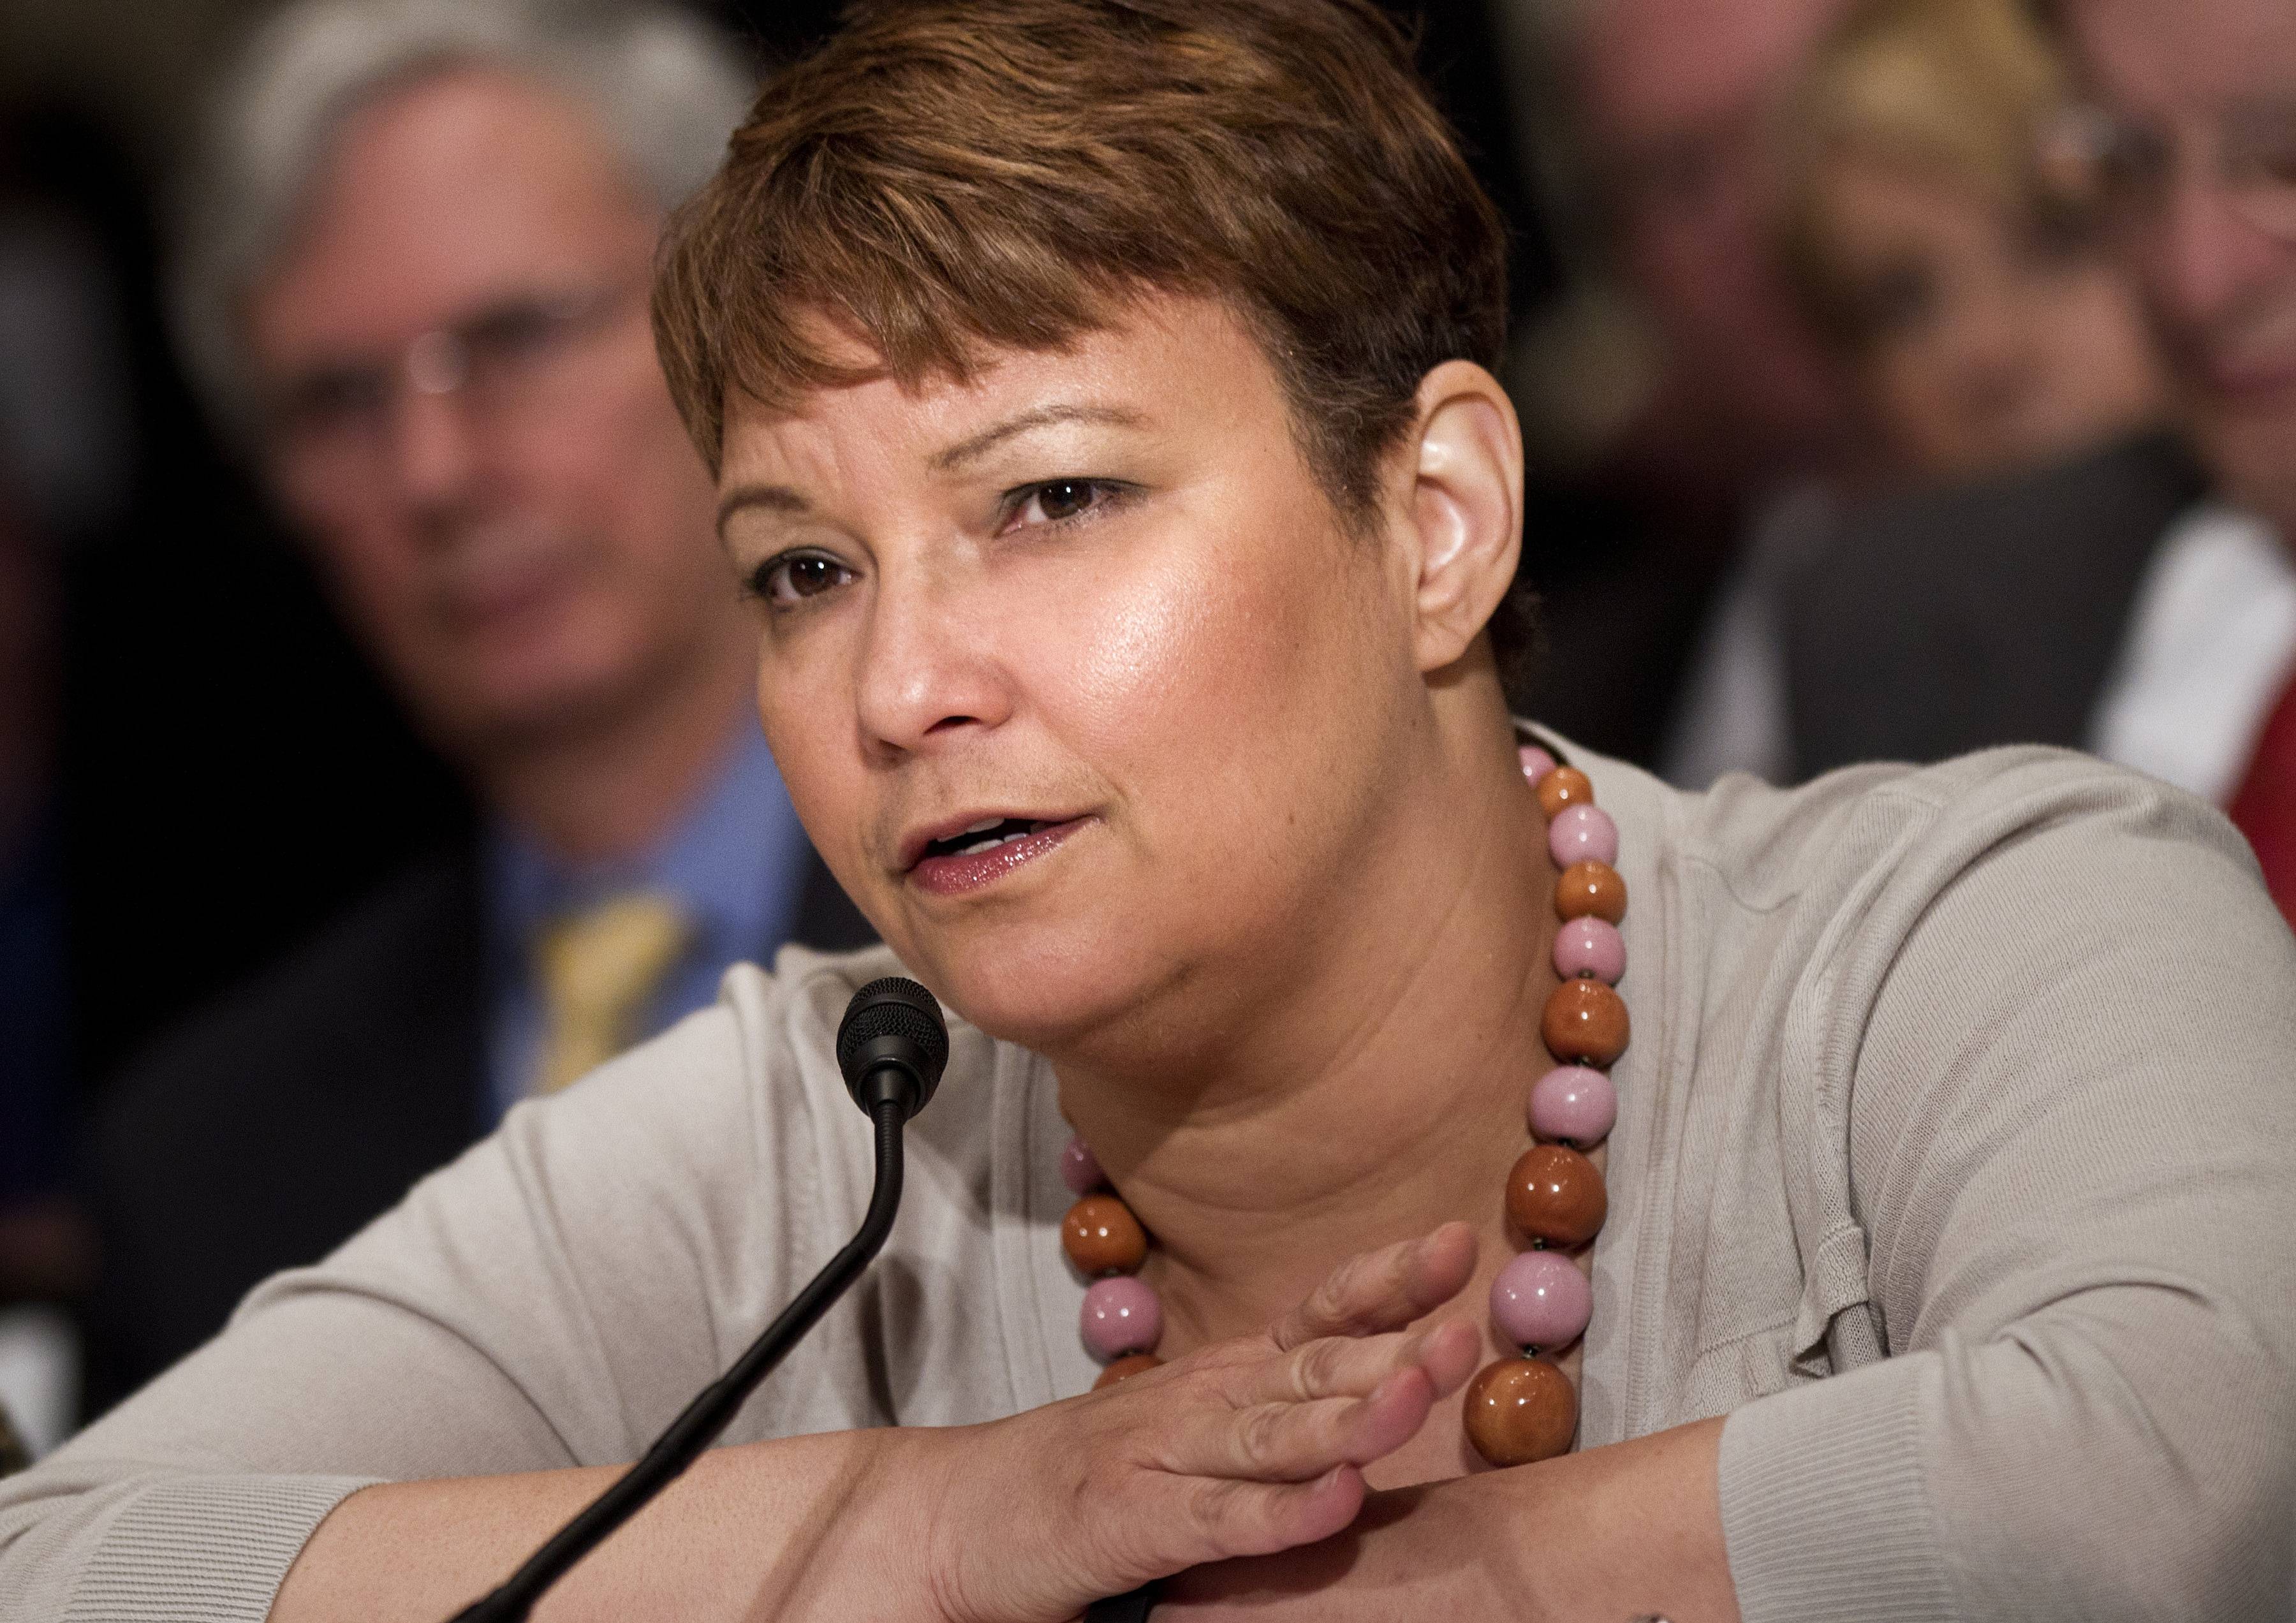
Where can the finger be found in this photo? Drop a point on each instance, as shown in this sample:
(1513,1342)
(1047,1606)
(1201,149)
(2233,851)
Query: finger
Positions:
(1343,1366)
(1238,1518)
(1383,1290)
(1297,1442)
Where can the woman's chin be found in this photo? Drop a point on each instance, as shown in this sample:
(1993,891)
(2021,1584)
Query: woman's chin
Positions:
(1048,1001)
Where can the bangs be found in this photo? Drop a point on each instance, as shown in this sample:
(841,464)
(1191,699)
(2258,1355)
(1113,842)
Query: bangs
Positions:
(942,181)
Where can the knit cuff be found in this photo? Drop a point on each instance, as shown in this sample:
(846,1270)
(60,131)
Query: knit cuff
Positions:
(203,1549)
(1826,1510)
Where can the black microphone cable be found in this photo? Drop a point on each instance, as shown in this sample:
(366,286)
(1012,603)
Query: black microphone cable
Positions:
(892,1047)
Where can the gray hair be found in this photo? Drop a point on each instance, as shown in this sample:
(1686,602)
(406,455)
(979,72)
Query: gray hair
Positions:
(664,88)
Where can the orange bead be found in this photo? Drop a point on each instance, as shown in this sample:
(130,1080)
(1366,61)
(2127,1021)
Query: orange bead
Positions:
(1521,1411)
(1586,1023)
(1563,786)
(1590,889)
(1125,1368)
(1101,1236)
(1555,1194)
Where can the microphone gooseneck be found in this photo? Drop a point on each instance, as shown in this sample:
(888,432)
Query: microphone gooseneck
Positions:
(892,1047)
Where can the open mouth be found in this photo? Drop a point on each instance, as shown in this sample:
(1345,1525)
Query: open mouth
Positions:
(985,851)
(982,837)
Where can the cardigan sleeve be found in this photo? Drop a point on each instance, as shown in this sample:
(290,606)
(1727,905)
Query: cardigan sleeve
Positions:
(2070,1020)
(547,1299)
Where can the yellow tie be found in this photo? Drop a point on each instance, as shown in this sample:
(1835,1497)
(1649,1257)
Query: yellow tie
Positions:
(597,970)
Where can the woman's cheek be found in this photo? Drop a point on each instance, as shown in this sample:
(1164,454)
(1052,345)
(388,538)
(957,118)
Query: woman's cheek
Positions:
(1118,653)
(808,717)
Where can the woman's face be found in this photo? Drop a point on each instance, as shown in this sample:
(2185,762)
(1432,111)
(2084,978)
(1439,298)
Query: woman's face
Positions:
(1078,682)
(1987,343)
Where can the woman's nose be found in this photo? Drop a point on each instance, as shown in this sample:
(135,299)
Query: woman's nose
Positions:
(928,678)
(1995,360)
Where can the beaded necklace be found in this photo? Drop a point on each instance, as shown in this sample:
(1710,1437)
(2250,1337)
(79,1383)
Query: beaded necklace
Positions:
(1517,1410)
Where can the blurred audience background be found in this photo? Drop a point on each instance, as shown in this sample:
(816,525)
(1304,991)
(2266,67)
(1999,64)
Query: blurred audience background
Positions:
(411,282)
(1967,581)
(1898,378)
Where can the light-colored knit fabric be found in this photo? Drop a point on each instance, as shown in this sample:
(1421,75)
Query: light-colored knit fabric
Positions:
(1957,1162)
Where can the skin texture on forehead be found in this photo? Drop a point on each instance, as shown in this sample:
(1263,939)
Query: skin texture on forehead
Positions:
(2193,52)
(553,199)
(1651,66)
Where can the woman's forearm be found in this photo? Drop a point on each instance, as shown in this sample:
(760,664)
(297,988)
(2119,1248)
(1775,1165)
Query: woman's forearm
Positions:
(1631,1530)
(799,1528)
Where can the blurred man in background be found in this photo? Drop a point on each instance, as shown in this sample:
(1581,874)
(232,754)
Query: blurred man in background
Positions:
(1680,99)
(413,280)
(2194,137)
(1678,395)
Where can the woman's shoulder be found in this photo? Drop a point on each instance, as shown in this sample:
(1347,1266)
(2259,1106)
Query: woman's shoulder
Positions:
(2018,869)
(1902,828)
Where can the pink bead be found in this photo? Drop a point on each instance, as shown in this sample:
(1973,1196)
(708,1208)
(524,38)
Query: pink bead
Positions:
(1590,947)
(1573,1101)
(1583,833)
(1080,1167)
(1536,763)
(1539,1299)
(1121,1315)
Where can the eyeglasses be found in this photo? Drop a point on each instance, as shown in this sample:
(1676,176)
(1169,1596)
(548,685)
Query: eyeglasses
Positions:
(2135,169)
(498,361)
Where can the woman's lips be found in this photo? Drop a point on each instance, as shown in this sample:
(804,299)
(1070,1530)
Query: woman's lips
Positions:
(954,876)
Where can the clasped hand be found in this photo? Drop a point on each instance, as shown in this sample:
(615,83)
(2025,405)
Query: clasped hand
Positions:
(1243,1447)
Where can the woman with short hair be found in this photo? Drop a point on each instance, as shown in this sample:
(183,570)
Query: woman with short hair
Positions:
(1951,253)
(1867,1201)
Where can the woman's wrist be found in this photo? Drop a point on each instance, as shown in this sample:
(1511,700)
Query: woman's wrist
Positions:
(897,1504)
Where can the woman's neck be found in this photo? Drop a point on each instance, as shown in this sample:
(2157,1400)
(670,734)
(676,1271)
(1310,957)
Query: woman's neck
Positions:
(1378,1096)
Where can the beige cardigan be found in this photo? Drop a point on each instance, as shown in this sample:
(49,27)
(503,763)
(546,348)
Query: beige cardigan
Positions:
(1956,1162)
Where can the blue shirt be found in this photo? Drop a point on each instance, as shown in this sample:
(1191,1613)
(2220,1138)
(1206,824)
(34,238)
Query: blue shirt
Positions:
(737,863)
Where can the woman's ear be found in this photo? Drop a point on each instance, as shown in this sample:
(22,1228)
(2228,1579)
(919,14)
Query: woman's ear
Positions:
(1465,507)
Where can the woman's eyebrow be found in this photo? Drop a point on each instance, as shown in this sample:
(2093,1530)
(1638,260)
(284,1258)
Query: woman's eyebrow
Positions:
(782,499)
(964,450)
(777,498)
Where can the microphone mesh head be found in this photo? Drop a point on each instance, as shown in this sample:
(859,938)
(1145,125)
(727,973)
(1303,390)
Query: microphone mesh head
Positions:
(893,1006)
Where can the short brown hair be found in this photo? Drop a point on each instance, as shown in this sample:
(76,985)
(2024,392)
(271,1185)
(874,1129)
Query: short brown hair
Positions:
(946,176)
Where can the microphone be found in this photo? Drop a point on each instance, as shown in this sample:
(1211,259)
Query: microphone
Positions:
(892,1048)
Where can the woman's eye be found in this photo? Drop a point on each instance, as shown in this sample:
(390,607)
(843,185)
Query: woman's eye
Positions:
(794,578)
(1058,500)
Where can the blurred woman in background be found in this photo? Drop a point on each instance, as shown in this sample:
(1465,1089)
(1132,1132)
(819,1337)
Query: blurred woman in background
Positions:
(1970,586)
(1960,274)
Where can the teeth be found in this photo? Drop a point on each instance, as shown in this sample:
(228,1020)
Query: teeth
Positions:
(982,836)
